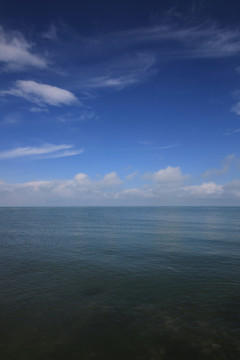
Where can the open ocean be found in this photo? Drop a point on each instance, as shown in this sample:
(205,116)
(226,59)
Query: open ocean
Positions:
(120,283)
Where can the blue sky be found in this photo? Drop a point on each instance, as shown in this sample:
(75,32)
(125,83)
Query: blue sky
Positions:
(119,103)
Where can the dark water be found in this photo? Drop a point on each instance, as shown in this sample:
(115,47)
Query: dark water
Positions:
(119,283)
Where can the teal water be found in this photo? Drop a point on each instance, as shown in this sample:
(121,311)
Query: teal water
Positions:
(120,283)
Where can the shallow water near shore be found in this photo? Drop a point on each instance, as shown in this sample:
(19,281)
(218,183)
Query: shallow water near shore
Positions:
(120,283)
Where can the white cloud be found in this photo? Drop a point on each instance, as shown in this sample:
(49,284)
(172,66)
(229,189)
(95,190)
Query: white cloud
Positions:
(110,179)
(209,188)
(82,179)
(132,175)
(16,53)
(166,186)
(45,150)
(35,185)
(80,189)
(42,94)
(169,174)
(111,190)
(136,193)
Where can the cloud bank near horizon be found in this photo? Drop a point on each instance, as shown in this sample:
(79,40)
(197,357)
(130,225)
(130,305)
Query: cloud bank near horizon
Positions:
(168,186)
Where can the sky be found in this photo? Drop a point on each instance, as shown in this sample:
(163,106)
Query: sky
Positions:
(119,103)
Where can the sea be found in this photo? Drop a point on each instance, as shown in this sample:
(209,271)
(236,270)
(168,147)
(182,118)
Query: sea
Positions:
(105,283)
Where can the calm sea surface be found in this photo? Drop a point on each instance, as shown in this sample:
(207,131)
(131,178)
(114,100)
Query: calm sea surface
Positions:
(120,283)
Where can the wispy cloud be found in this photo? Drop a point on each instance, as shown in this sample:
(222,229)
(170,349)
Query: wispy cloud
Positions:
(228,162)
(166,147)
(64,154)
(41,94)
(117,60)
(145,142)
(108,81)
(86,115)
(201,41)
(171,40)
(236,108)
(48,151)
(15,52)
(51,33)
(231,132)
(11,119)
(120,72)
(36,109)
(149,145)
